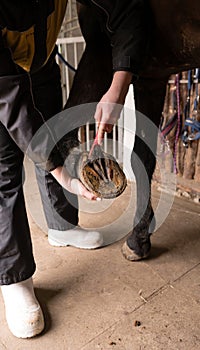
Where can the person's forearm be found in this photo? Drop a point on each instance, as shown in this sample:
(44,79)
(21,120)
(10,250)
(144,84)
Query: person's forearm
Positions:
(120,84)
(71,184)
(109,107)
(62,176)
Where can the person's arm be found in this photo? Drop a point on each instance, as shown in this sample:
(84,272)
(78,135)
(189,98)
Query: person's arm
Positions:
(71,184)
(127,29)
(130,31)
(109,108)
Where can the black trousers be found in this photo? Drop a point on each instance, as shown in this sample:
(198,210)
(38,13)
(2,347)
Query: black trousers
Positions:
(16,256)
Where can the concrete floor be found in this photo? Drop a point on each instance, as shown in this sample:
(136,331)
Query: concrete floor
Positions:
(98,300)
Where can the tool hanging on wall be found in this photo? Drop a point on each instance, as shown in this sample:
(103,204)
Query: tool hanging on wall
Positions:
(172,122)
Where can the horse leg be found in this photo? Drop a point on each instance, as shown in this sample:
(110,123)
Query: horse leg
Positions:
(94,73)
(149,100)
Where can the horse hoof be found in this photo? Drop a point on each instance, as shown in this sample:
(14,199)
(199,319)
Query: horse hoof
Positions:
(129,254)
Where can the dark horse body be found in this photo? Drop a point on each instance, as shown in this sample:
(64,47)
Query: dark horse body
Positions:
(174,47)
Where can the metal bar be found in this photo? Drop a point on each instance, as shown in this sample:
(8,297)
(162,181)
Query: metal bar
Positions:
(114,142)
(66,73)
(182,81)
(87,136)
(120,126)
(105,143)
(75,55)
(72,40)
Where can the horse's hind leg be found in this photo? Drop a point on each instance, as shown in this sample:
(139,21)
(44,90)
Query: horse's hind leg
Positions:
(94,73)
(149,100)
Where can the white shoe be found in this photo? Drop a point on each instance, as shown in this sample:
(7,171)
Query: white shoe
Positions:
(76,237)
(23,312)
(25,323)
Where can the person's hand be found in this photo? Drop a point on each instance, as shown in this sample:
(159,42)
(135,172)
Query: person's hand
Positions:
(110,106)
(107,113)
(71,184)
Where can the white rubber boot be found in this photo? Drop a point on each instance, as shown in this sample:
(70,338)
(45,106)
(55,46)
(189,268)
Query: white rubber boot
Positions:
(76,237)
(23,312)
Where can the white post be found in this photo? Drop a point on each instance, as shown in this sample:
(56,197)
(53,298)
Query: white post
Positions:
(129,132)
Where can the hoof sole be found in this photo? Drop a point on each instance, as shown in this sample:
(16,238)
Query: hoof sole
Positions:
(129,254)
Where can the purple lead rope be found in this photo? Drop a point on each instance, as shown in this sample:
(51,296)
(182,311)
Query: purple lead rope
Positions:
(179,122)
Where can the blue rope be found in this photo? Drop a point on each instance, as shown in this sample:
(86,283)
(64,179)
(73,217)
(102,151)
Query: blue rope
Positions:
(195,126)
(189,81)
(189,85)
(65,62)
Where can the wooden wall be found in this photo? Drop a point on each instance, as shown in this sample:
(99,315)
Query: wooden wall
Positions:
(187,158)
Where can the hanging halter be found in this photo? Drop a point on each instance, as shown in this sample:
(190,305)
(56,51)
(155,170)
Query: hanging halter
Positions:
(178,130)
(191,129)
